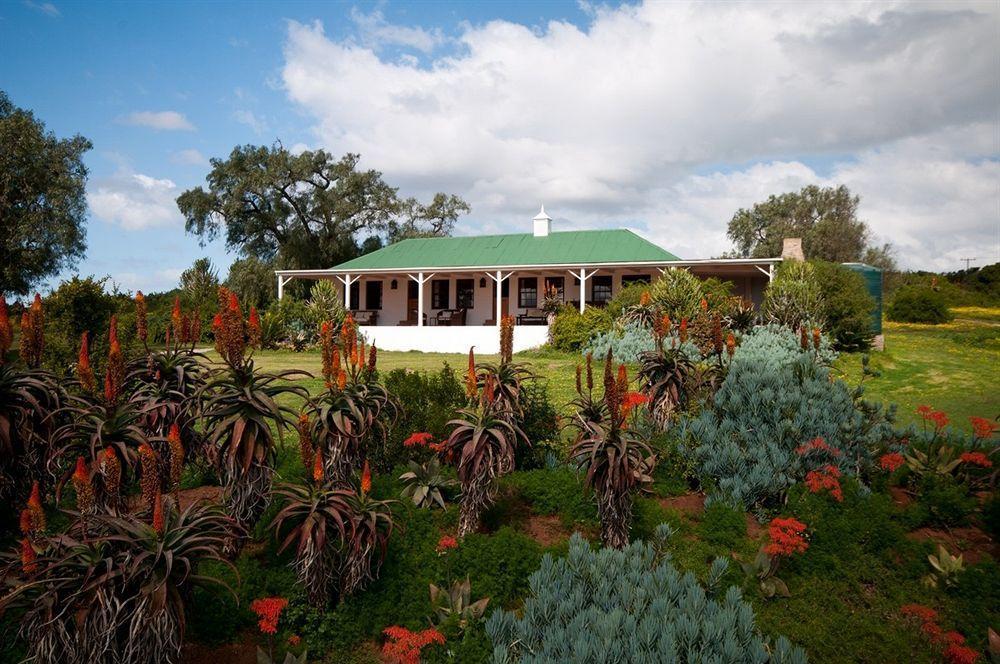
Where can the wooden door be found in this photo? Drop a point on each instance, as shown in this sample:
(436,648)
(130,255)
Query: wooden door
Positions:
(412,296)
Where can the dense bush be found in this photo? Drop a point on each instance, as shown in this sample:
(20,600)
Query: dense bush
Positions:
(627,606)
(428,400)
(723,525)
(253,281)
(558,491)
(914,304)
(847,306)
(539,426)
(775,344)
(626,342)
(772,402)
(794,297)
(677,293)
(78,306)
(571,330)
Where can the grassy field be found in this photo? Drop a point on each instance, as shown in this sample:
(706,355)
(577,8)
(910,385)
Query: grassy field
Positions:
(953,367)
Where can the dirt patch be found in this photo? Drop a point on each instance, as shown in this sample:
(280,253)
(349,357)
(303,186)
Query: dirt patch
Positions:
(242,652)
(689,503)
(899,496)
(971,542)
(209,494)
(546,530)
(754,529)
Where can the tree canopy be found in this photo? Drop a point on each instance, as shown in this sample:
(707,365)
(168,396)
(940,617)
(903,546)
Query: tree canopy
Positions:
(826,218)
(306,210)
(42,200)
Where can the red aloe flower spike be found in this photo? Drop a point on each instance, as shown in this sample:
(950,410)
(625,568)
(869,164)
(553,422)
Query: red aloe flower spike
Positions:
(84,372)
(366,479)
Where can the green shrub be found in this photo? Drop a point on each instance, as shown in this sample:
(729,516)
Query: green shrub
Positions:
(627,606)
(943,502)
(794,297)
(253,281)
(427,400)
(991,516)
(677,293)
(539,425)
(498,565)
(571,330)
(915,304)
(626,298)
(74,307)
(847,306)
(973,605)
(723,525)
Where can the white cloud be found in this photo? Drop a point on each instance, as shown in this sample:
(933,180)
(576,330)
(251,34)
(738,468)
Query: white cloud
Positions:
(189,157)
(148,282)
(243,116)
(46,8)
(159,120)
(376,32)
(639,118)
(135,201)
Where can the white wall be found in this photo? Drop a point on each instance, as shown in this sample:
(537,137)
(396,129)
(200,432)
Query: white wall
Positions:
(486,338)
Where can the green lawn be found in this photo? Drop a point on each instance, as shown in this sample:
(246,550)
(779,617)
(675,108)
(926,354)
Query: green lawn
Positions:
(952,367)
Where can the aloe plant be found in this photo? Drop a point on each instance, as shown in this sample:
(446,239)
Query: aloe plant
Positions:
(425,484)
(945,568)
(455,603)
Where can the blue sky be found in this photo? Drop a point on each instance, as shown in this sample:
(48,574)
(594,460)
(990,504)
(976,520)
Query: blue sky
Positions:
(518,103)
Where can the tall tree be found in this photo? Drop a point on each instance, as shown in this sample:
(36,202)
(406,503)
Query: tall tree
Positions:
(305,210)
(253,281)
(42,200)
(201,284)
(826,218)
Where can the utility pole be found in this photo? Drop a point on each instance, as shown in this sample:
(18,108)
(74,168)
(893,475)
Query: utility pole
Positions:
(968,261)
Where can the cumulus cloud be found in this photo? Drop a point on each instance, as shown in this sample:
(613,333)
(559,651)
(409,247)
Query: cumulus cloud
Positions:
(159,120)
(667,117)
(153,281)
(376,32)
(134,201)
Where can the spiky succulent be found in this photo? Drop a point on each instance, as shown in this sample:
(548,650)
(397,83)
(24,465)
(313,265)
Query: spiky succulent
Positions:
(664,376)
(425,484)
(28,397)
(366,547)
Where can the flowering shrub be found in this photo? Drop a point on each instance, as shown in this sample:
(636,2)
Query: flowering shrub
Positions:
(403,646)
(951,644)
(446,543)
(788,536)
(976,459)
(268,610)
(891,461)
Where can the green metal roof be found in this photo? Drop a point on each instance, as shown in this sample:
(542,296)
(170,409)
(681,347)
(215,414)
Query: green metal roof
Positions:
(559,248)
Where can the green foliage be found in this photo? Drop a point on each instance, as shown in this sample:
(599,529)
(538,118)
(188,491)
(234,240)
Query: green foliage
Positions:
(499,564)
(991,516)
(200,283)
(253,281)
(428,400)
(326,303)
(794,297)
(914,304)
(723,525)
(941,501)
(43,205)
(538,422)
(556,491)
(973,601)
(78,306)
(847,306)
(981,285)
(626,605)
(626,342)
(678,294)
(307,209)
(571,330)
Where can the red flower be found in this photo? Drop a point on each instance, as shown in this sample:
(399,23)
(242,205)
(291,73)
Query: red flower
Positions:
(419,439)
(253,328)
(787,537)
(982,427)
(318,465)
(268,610)
(825,478)
(953,638)
(445,543)
(919,611)
(633,400)
(937,417)
(84,372)
(976,459)
(294,640)
(817,445)
(176,447)
(81,484)
(932,630)
(28,557)
(403,646)
(924,411)
(891,461)
(366,479)
(959,654)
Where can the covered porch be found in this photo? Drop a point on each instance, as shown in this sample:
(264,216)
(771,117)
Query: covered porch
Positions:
(450,309)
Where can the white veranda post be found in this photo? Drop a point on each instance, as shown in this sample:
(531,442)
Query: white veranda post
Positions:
(347,280)
(498,278)
(282,280)
(583,275)
(421,280)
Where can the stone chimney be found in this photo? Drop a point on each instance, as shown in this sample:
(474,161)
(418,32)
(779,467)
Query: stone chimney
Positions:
(542,223)
(791,249)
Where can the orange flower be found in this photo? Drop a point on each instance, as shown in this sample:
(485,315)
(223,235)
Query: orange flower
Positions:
(703,304)
(683,333)
(982,427)
(826,478)
(633,400)
(506,338)
(341,379)
(644,299)
(372,358)
(149,479)
(83,486)
(817,338)
(661,328)
(803,338)
(177,318)
(33,333)
(817,445)
(141,324)
(158,523)
(33,522)
(28,557)
(84,372)
(111,469)
(6,329)
(366,479)
(919,611)
(253,328)
(471,383)
(294,640)
(419,439)
(176,456)
(730,345)
(445,543)
(318,465)
(114,376)
(305,440)
(403,646)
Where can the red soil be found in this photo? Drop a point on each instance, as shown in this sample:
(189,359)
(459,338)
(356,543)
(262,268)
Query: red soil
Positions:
(546,530)
(689,503)
(211,494)
(971,542)
(242,652)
